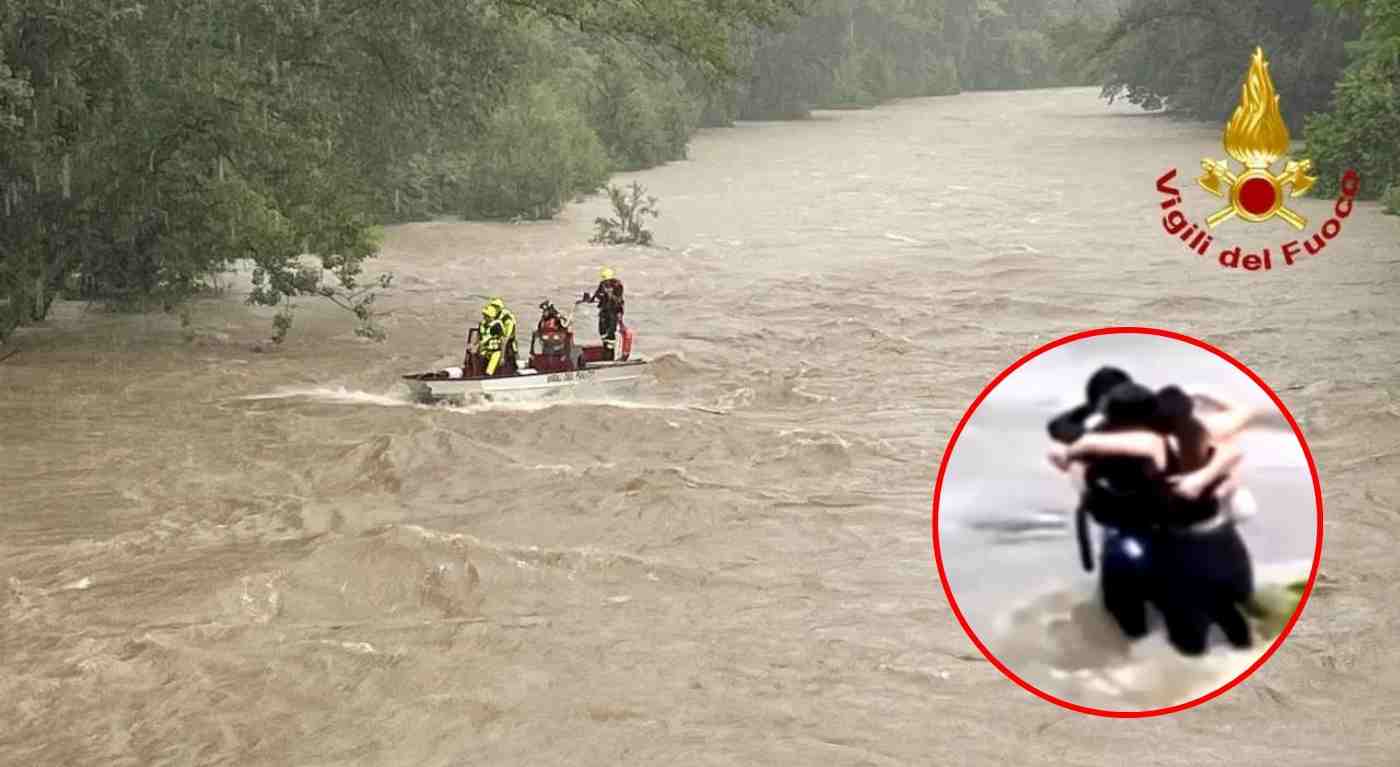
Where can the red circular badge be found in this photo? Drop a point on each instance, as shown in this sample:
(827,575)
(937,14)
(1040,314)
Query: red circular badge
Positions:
(1277,642)
(1258,196)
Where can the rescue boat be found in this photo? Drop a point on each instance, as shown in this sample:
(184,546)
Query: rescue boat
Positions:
(556,367)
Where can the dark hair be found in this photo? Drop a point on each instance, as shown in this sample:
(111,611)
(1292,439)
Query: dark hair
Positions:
(1173,406)
(1102,382)
(1176,416)
(1130,405)
(1126,404)
(1069,426)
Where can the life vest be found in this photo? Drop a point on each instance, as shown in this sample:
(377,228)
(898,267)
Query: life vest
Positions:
(554,336)
(498,332)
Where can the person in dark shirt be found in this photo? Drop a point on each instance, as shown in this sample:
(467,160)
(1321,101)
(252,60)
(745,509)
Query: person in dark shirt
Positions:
(608,297)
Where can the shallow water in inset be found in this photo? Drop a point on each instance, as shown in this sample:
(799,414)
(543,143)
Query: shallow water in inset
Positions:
(318,575)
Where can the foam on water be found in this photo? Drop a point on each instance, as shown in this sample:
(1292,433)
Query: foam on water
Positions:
(784,605)
(339,395)
(343,396)
(1064,643)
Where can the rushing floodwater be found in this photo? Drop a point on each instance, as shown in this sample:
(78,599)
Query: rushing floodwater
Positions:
(217,556)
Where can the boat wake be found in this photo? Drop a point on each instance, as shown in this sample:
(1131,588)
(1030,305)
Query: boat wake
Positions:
(562,402)
(343,396)
(337,395)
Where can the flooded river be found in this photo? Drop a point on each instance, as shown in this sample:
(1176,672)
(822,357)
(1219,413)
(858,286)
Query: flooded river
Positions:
(216,555)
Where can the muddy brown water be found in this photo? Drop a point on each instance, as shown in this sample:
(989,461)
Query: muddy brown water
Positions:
(214,555)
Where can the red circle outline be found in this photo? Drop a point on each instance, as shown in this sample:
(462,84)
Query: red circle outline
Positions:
(938,551)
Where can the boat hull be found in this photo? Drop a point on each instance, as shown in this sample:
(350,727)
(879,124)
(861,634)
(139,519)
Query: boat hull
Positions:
(602,378)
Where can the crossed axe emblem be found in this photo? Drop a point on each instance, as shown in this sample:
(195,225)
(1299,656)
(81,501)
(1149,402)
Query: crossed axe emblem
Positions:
(1221,182)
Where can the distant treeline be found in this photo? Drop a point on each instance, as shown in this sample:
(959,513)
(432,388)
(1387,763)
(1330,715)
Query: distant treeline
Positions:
(850,53)
(1336,65)
(147,145)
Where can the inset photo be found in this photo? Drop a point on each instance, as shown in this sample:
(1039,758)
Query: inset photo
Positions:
(1127,522)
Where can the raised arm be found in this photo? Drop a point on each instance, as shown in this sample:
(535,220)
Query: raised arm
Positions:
(1228,423)
(1230,418)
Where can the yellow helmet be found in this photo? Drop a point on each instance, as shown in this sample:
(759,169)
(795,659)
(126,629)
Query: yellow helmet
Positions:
(606,273)
(490,311)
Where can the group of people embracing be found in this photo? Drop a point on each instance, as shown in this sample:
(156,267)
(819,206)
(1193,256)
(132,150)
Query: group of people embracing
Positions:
(1158,470)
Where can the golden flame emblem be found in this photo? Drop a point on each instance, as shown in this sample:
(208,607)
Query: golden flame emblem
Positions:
(1256,137)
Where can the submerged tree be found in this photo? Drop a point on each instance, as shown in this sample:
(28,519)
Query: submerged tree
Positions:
(631,207)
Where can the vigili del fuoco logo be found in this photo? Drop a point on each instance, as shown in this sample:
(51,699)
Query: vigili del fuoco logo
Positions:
(1256,137)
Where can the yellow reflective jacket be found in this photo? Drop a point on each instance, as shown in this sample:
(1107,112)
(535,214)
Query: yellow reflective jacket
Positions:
(497,333)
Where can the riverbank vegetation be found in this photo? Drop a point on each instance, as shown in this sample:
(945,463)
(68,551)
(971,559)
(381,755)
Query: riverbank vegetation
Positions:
(145,147)
(1335,62)
(858,53)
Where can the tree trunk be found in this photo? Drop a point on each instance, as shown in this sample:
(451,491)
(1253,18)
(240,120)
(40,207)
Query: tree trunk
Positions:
(39,289)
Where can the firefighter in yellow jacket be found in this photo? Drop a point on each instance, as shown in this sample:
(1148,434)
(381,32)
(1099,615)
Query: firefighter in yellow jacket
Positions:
(497,336)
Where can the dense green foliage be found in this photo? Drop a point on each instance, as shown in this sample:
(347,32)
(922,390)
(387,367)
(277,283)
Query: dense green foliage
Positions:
(580,108)
(1017,44)
(167,140)
(846,53)
(1190,56)
(147,146)
(1336,64)
(1362,130)
(150,145)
